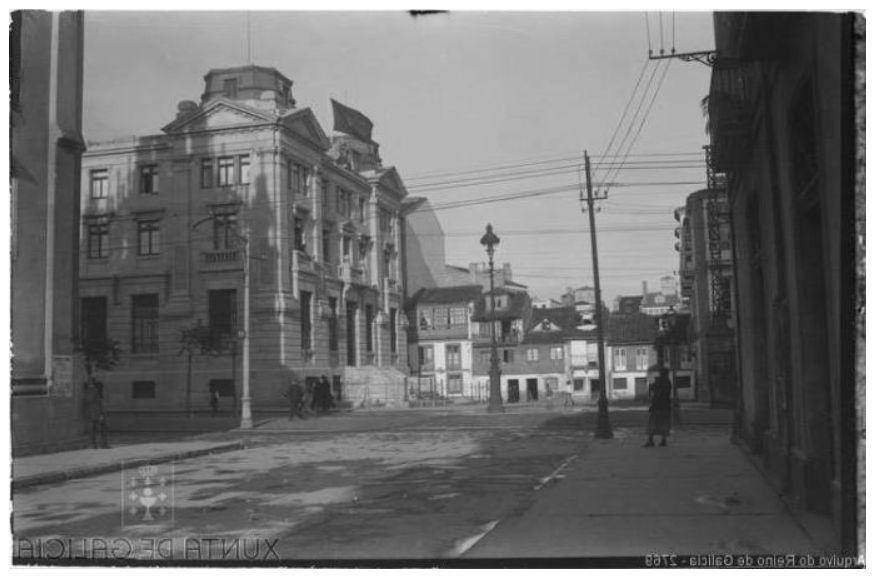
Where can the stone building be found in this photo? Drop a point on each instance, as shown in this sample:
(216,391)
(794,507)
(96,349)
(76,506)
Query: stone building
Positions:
(46,70)
(780,112)
(244,193)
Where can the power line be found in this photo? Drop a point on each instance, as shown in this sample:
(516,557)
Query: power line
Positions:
(634,117)
(625,111)
(643,118)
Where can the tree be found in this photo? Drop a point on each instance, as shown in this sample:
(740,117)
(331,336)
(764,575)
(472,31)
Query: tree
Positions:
(198,338)
(100,355)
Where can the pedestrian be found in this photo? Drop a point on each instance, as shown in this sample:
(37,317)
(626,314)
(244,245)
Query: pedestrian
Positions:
(326,394)
(93,410)
(659,421)
(215,402)
(295,396)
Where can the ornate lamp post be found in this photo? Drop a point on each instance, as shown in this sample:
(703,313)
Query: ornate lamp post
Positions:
(489,241)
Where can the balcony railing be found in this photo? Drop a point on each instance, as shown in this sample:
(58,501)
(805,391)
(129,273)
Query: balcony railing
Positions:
(222,260)
(350,274)
(507,339)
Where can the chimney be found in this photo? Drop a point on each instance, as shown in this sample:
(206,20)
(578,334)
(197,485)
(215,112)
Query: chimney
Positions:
(644,287)
(508,272)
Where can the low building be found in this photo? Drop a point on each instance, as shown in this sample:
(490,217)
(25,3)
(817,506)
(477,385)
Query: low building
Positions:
(440,342)
(512,315)
(632,354)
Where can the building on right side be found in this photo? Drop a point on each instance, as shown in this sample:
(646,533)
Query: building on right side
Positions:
(780,112)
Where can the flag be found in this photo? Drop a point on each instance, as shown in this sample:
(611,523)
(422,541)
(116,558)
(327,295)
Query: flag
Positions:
(351,122)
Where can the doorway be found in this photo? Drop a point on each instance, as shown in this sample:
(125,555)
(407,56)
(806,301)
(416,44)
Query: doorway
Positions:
(531,385)
(351,333)
(512,390)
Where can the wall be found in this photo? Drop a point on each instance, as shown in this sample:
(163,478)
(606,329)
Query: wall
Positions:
(46,147)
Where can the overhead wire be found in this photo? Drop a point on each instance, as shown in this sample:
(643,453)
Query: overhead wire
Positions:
(644,118)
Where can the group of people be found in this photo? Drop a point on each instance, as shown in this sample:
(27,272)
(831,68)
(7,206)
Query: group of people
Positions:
(316,398)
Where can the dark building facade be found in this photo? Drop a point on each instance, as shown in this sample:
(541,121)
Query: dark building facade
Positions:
(46,70)
(780,112)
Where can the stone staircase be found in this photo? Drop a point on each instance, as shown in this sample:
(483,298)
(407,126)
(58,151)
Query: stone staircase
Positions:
(374,387)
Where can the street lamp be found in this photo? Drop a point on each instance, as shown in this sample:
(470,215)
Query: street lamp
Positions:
(246,417)
(667,334)
(489,241)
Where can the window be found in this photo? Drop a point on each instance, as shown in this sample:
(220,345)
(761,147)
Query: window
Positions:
(453,357)
(362,209)
(297,178)
(619,359)
(532,355)
(620,384)
(143,390)
(244,169)
(98,240)
(305,319)
(93,320)
(299,234)
(230,87)
(334,324)
(556,353)
(440,317)
(99,181)
(226,171)
(425,356)
(385,221)
(642,358)
(370,316)
(393,327)
(386,262)
(325,194)
(223,312)
(509,355)
(145,323)
(149,179)
(147,237)
(579,383)
(341,201)
(458,316)
(225,231)
(207,172)
(346,249)
(455,385)
(327,238)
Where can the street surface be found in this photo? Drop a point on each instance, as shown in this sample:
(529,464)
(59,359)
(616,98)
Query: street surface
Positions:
(379,485)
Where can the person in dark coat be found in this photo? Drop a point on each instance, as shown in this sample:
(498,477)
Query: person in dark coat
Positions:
(93,410)
(659,421)
(296,397)
(326,394)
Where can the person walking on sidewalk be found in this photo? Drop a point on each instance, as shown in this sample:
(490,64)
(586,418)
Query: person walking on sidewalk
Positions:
(295,396)
(215,402)
(659,421)
(93,409)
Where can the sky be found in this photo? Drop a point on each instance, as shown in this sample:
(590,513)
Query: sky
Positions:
(457,99)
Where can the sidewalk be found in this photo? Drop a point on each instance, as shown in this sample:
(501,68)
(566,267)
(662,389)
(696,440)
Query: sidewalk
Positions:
(55,467)
(699,495)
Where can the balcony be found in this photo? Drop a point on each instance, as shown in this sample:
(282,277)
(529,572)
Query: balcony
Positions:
(390,285)
(303,262)
(220,260)
(350,274)
(505,339)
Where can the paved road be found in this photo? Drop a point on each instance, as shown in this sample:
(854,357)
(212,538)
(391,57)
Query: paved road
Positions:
(408,484)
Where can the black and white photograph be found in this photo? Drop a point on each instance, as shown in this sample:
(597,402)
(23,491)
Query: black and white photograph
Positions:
(544,287)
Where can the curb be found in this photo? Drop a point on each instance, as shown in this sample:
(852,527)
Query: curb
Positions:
(58,476)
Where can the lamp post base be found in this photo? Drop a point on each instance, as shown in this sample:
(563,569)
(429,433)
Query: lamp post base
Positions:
(603,429)
(495,404)
(246,418)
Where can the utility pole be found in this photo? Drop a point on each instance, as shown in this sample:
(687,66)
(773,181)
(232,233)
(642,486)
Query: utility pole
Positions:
(603,429)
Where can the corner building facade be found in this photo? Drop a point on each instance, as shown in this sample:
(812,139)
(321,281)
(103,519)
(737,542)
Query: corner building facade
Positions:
(169,220)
